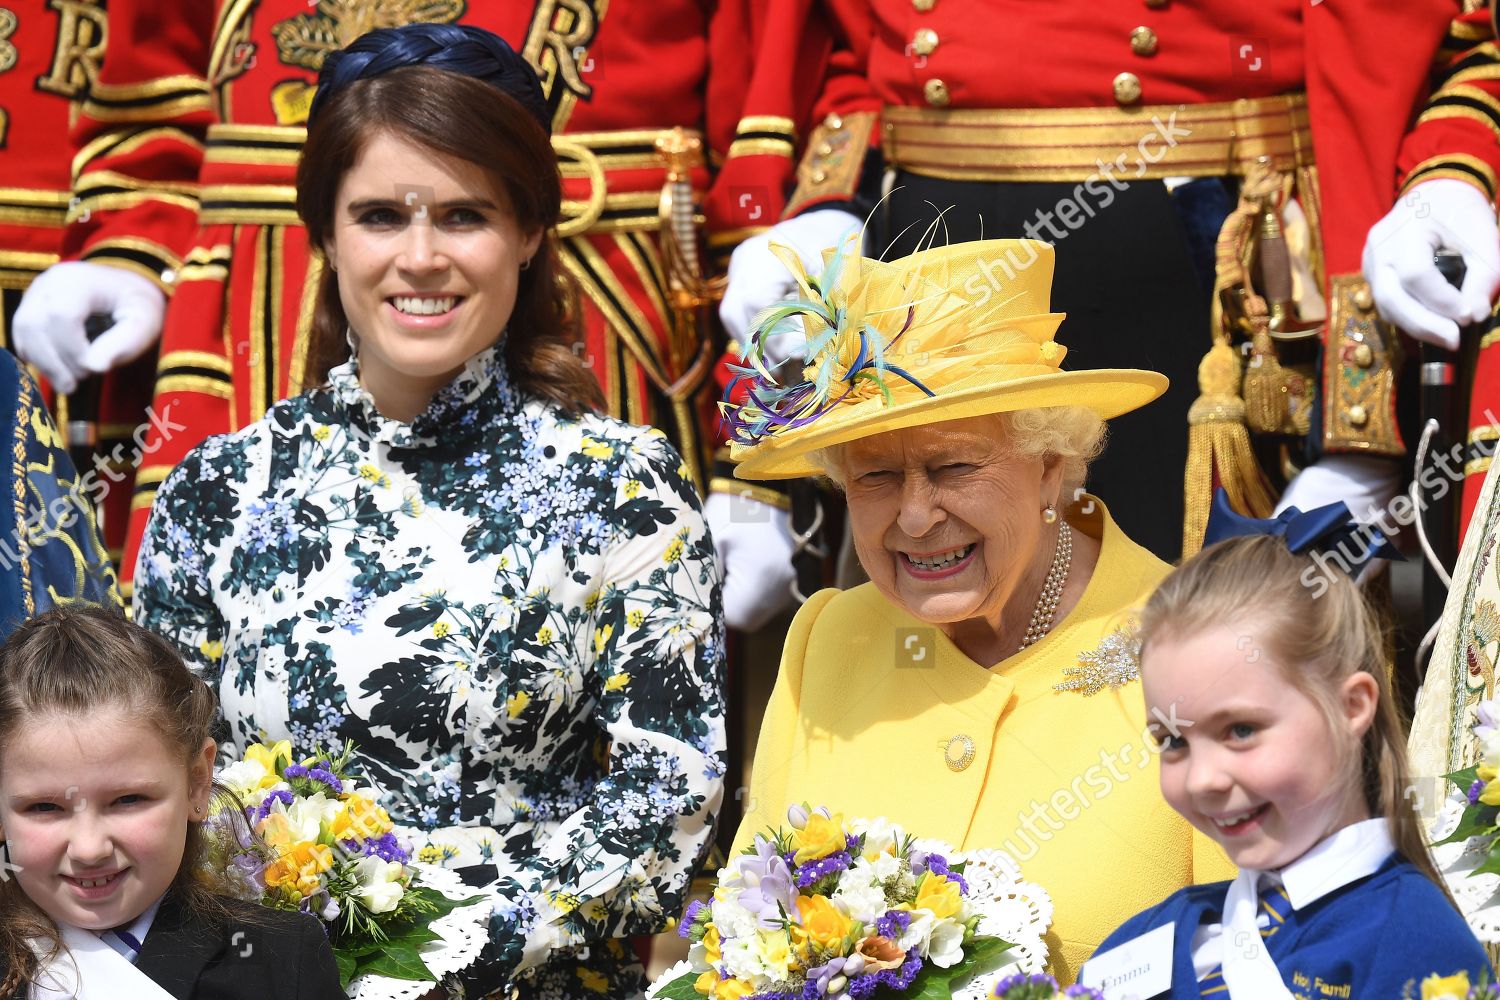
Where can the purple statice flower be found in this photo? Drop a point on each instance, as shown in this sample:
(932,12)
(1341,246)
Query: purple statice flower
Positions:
(690,918)
(1474,790)
(260,812)
(816,871)
(1080,990)
(764,885)
(317,773)
(1039,986)
(938,865)
(385,847)
(894,924)
(863,987)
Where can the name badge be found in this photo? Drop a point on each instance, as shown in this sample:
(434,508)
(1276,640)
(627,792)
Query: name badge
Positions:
(1135,970)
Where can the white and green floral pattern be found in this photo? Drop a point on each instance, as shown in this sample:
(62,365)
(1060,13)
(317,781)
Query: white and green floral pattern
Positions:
(514,613)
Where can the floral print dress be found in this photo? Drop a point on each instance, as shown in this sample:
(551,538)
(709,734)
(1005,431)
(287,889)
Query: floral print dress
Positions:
(514,613)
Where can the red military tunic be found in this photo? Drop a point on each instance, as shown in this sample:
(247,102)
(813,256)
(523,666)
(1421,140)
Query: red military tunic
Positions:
(49,56)
(1362,68)
(189,145)
(1457,135)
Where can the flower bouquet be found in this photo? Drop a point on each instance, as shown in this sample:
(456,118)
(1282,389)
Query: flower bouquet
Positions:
(848,910)
(1454,987)
(1040,986)
(1466,834)
(321,844)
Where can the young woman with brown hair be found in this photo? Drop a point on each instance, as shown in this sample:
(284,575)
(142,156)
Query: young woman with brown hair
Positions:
(507,600)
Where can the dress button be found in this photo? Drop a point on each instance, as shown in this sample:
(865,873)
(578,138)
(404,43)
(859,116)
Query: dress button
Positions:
(924,42)
(833,121)
(1127,88)
(958,752)
(1363,356)
(1358,416)
(825,149)
(819,176)
(1363,300)
(936,92)
(923,5)
(1143,41)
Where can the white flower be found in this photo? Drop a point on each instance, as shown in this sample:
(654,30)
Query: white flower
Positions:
(732,919)
(379,888)
(918,931)
(860,897)
(742,959)
(307,816)
(881,835)
(243,778)
(945,944)
(884,867)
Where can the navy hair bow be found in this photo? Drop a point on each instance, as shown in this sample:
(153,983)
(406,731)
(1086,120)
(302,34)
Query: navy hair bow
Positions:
(458,48)
(1330,530)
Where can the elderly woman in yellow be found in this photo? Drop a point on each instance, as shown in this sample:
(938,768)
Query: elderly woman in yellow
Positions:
(982,687)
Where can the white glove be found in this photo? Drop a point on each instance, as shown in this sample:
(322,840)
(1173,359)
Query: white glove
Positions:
(49,329)
(757,279)
(1366,483)
(754,540)
(1409,290)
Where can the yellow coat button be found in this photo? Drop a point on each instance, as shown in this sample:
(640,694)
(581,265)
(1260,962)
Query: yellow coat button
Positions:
(924,42)
(1358,416)
(958,752)
(1143,41)
(1363,356)
(924,5)
(1363,300)
(1127,88)
(936,92)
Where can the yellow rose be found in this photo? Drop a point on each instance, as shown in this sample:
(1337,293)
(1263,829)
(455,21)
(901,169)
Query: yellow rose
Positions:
(361,819)
(1455,987)
(939,895)
(822,922)
(732,989)
(821,837)
(296,871)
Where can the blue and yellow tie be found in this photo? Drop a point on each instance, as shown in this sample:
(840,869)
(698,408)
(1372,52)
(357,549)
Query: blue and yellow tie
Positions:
(1277,905)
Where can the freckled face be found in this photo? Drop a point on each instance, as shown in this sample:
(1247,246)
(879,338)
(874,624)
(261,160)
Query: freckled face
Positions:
(945,519)
(1254,763)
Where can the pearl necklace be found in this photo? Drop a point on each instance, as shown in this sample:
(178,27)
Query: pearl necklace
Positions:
(1057,576)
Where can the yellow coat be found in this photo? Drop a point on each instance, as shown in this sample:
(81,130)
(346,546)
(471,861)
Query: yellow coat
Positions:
(873,711)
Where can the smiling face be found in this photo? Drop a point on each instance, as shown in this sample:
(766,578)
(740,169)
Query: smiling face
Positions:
(95,812)
(1259,767)
(428,257)
(946,520)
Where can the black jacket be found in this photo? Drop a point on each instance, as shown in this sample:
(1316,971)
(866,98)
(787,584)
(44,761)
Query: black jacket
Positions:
(272,955)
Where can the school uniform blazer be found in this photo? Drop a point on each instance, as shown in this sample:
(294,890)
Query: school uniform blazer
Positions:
(1373,938)
(271,955)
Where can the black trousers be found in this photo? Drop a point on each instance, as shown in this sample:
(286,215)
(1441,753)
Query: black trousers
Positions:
(1134,278)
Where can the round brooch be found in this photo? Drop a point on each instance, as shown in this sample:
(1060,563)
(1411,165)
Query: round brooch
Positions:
(964,755)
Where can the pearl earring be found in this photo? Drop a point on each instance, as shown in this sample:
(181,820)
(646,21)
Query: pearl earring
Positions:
(1049,514)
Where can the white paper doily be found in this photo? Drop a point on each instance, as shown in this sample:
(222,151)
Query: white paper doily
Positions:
(1009,908)
(464,932)
(1478,896)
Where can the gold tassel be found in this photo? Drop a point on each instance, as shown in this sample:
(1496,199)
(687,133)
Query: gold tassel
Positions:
(1219,450)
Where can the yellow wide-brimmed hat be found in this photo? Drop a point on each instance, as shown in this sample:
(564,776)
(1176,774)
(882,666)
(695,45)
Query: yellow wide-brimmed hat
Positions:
(950,332)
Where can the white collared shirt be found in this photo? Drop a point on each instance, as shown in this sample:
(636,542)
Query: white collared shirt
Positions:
(138,930)
(1350,854)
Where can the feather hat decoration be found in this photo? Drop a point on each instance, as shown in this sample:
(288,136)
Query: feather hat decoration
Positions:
(949,332)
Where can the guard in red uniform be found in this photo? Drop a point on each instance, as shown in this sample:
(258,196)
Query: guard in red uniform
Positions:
(49,57)
(188,146)
(1449,163)
(1149,140)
